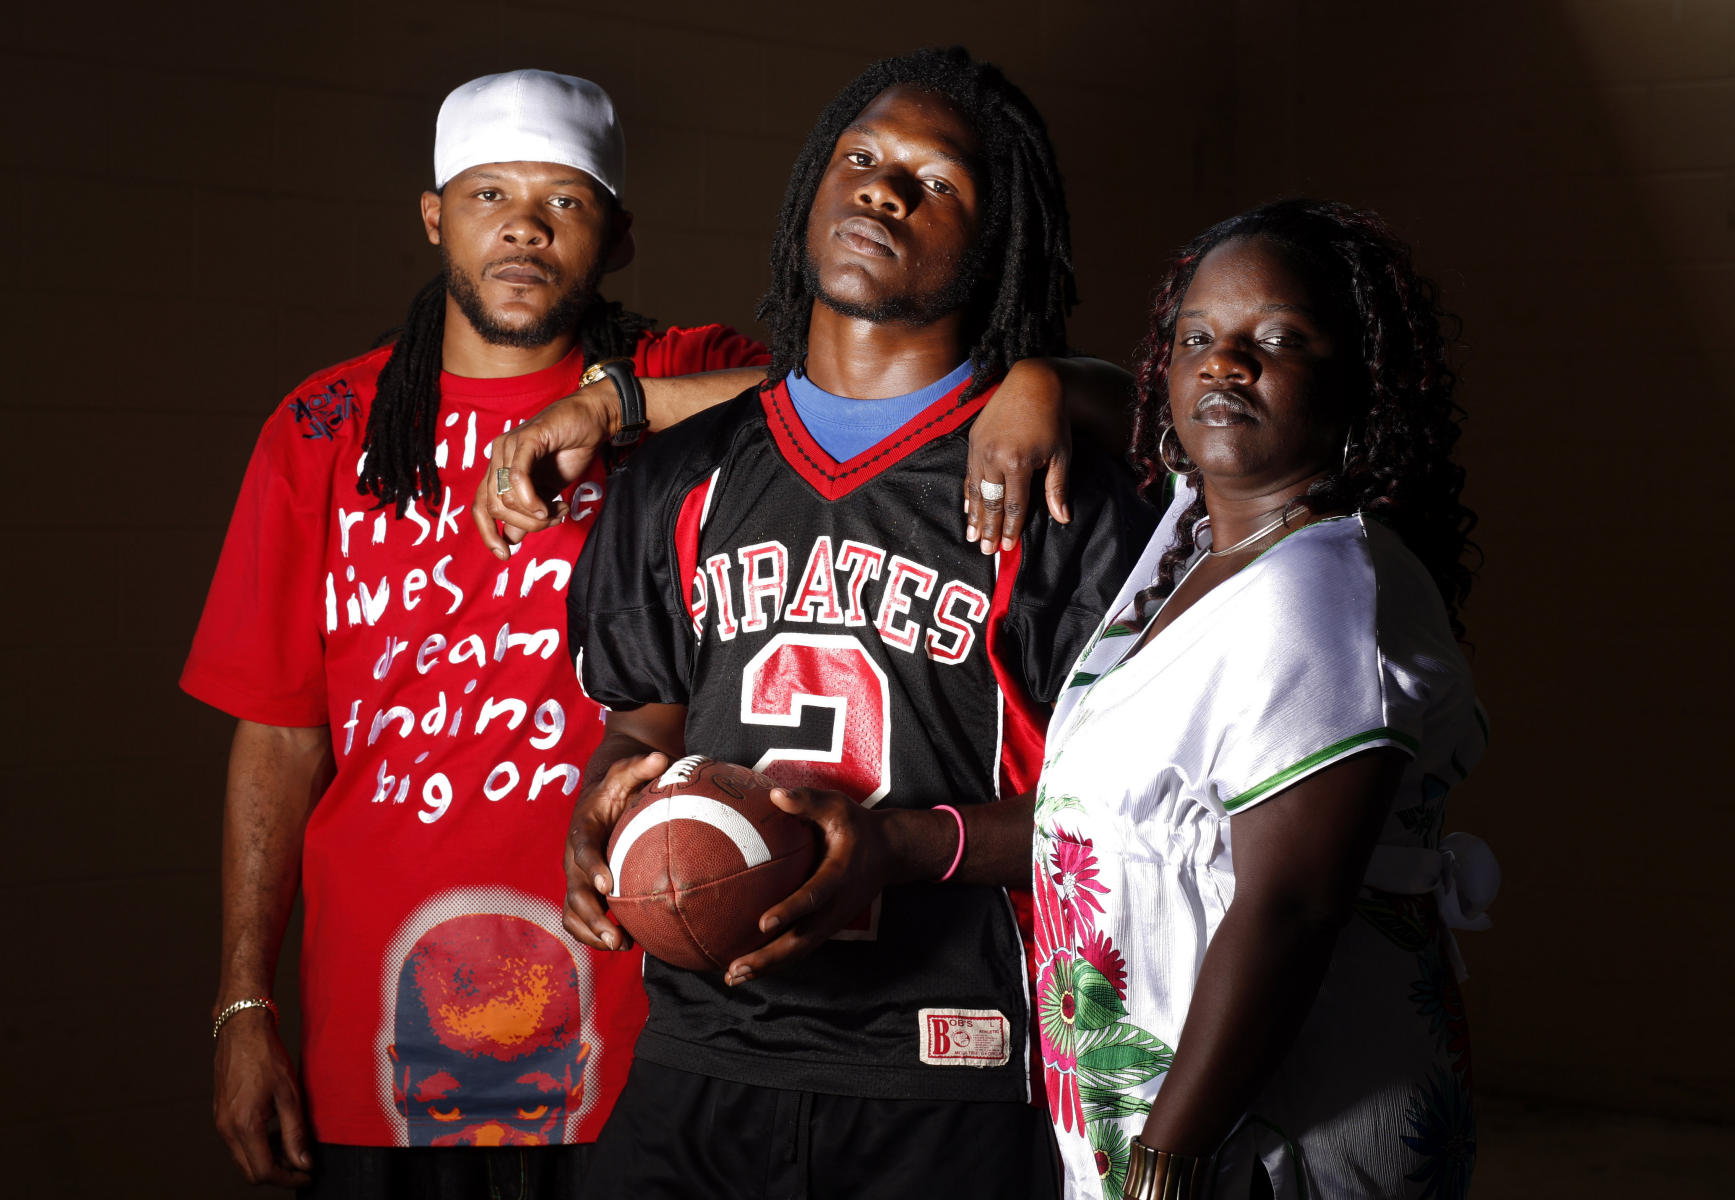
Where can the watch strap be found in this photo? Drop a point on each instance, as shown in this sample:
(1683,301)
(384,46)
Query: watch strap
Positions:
(634,420)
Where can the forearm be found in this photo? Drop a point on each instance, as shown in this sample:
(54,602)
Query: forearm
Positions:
(997,836)
(593,413)
(1255,988)
(671,401)
(1299,861)
(276,775)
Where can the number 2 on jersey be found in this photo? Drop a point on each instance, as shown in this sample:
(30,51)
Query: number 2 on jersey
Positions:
(799,671)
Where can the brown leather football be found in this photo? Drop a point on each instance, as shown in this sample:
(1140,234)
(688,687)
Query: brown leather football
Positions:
(697,859)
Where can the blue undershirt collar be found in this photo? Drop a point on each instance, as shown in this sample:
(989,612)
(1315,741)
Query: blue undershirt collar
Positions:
(844,427)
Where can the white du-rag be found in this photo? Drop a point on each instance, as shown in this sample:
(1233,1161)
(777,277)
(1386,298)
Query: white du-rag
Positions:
(530,116)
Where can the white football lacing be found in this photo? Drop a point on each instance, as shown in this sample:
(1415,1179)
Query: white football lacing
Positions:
(681,771)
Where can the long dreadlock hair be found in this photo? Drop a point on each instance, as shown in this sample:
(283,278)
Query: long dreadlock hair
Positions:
(1024,229)
(402,424)
(1403,423)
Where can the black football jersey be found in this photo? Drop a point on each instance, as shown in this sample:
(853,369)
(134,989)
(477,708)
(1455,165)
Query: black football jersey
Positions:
(827,624)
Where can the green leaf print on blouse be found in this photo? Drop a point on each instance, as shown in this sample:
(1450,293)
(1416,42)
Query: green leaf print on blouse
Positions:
(1110,1062)
(1121,1055)
(1401,919)
(1105,1104)
(1098,1005)
(1092,1055)
(1050,806)
(1112,1147)
(1080,1013)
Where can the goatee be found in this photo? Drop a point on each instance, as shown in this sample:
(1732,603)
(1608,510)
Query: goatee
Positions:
(559,320)
(958,291)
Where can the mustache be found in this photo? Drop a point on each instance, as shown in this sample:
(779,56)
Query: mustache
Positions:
(524,260)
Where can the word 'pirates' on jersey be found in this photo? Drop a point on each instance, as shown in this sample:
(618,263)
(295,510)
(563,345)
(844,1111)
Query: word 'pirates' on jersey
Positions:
(753,590)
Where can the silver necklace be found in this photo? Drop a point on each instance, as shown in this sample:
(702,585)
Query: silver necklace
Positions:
(1244,542)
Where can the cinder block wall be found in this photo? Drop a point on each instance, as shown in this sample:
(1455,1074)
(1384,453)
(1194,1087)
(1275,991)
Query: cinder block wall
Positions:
(203,205)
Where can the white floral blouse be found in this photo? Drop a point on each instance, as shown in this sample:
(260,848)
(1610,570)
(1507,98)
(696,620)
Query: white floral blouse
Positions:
(1332,642)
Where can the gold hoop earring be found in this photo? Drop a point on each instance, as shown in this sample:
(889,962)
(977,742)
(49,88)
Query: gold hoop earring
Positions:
(1163,453)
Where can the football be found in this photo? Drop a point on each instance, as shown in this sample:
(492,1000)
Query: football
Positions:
(699,856)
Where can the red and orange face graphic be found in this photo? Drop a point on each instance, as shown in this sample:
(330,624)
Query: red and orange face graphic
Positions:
(486,1048)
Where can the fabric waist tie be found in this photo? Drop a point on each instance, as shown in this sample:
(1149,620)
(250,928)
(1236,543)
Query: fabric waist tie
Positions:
(1463,875)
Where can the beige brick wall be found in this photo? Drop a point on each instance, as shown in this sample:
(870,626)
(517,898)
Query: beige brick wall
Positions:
(200,206)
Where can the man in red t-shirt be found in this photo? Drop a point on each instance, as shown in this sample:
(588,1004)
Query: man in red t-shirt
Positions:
(410,729)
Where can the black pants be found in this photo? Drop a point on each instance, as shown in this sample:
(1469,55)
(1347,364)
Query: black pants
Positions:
(446,1173)
(674,1134)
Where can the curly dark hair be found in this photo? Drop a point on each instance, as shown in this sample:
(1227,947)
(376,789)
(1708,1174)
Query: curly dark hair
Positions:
(1404,424)
(1023,310)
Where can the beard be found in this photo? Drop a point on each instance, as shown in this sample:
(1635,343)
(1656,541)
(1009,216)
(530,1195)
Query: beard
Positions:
(561,318)
(906,309)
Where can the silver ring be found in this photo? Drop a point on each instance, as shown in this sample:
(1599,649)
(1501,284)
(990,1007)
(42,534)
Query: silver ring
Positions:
(992,491)
(502,480)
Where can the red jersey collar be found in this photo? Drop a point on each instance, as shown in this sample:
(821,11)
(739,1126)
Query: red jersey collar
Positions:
(833,479)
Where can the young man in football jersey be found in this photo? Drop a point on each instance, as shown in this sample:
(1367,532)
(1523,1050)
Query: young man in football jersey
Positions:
(777,582)
(410,734)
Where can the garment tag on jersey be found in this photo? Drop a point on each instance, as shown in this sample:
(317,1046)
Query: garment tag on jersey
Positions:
(965,1037)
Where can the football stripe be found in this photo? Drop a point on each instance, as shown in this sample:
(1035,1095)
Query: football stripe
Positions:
(715,813)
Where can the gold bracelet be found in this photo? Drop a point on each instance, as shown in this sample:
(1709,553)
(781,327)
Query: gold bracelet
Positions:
(240,1006)
(1160,1175)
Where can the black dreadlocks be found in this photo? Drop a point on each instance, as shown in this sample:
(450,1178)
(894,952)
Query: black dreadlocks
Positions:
(1404,422)
(401,426)
(1024,228)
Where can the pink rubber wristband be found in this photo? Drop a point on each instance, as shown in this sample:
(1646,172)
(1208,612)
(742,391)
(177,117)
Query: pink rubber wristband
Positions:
(958,857)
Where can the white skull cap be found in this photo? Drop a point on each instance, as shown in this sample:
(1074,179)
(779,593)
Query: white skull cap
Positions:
(530,116)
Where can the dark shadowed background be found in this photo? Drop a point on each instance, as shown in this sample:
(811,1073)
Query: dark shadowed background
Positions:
(202,203)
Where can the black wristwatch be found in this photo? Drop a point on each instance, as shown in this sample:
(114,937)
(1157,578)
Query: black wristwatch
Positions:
(632,396)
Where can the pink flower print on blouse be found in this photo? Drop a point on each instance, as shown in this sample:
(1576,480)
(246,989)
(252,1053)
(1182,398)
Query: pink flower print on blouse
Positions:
(1075,875)
(1057,1006)
(1099,951)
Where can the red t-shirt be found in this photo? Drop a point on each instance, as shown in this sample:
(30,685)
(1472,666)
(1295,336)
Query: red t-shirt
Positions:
(443,1003)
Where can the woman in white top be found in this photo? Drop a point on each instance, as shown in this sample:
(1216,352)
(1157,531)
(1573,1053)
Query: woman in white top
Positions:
(1245,979)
